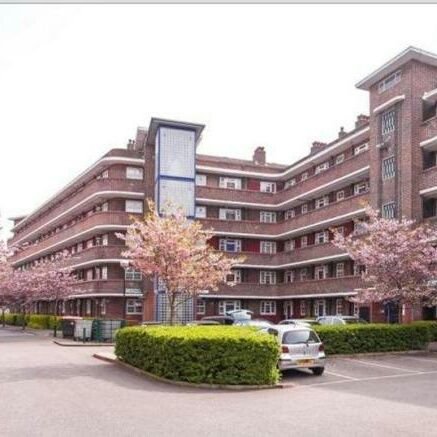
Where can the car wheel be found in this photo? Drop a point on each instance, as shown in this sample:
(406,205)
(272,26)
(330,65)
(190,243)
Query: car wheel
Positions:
(318,371)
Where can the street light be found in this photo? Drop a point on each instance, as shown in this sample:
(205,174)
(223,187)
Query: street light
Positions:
(124,265)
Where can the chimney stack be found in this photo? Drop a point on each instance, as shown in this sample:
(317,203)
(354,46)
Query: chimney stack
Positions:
(259,156)
(317,147)
(342,133)
(362,120)
(130,145)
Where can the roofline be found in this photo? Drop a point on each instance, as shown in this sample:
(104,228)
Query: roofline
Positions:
(409,54)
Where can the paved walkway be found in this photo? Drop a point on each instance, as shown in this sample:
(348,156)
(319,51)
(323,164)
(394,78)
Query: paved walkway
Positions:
(49,390)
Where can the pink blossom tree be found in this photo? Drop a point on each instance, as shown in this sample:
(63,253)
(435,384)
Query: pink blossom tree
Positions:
(398,255)
(6,273)
(176,250)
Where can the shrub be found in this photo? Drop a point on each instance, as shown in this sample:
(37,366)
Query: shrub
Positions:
(34,321)
(353,339)
(201,354)
(432,327)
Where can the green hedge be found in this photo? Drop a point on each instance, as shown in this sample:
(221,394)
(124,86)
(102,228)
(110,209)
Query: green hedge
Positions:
(432,326)
(201,354)
(34,321)
(353,339)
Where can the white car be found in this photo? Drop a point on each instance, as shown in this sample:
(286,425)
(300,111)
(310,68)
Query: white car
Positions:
(340,320)
(301,348)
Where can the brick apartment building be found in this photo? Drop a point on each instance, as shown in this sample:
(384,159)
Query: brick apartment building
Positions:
(278,216)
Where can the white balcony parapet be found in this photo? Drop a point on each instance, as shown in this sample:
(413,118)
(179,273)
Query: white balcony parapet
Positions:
(430,144)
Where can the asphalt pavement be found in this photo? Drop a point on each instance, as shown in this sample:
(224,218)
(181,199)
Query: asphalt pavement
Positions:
(50,390)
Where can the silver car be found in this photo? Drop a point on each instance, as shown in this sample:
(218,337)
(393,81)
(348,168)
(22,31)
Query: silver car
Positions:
(340,320)
(301,348)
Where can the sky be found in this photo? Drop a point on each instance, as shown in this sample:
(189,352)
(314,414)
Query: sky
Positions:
(77,80)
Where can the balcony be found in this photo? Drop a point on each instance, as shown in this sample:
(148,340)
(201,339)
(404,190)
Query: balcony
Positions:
(100,222)
(329,286)
(302,256)
(83,198)
(316,185)
(330,215)
(94,255)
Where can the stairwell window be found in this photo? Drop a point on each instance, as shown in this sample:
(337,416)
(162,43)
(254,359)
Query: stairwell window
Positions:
(230,214)
(388,122)
(389,210)
(134,206)
(267,277)
(230,183)
(267,216)
(268,187)
(230,245)
(268,247)
(267,307)
(388,168)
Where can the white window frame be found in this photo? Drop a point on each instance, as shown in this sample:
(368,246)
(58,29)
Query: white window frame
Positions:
(223,242)
(339,270)
(234,277)
(134,306)
(289,214)
(103,306)
(339,307)
(322,167)
(389,207)
(321,237)
(131,274)
(290,183)
(304,241)
(340,195)
(361,148)
(321,269)
(267,277)
(304,176)
(267,308)
(268,247)
(289,276)
(134,173)
(304,208)
(322,201)
(133,206)
(235,304)
(389,82)
(201,180)
(267,216)
(231,214)
(339,159)
(361,188)
(303,307)
(388,168)
(200,306)
(200,211)
(267,187)
(303,274)
(87,306)
(230,183)
(289,245)
(317,304)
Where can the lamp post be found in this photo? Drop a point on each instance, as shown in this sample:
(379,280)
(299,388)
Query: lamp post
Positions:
(124,265)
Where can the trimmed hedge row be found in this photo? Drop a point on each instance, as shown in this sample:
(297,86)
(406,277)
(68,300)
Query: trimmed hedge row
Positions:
(353,339)
(34,321)
(432,326)
(201,354)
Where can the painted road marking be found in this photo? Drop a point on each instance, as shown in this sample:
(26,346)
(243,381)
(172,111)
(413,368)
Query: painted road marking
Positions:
(341,376)
(371,363)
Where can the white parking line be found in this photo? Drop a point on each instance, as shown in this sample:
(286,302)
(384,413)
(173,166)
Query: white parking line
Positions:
(341,376)
(427,360)
(371,378)
(371,363)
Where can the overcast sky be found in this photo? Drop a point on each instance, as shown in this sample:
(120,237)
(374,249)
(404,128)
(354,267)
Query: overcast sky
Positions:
(78,80)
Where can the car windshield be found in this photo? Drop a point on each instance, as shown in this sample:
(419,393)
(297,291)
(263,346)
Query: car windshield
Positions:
(300,336)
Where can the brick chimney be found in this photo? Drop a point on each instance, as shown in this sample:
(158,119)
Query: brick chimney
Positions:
(342,133)
(140,139)
(259,156)
(130,145)
(362,120)
(317,147)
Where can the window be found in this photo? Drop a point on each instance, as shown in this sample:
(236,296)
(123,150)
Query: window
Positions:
(134,173)
(200,211)
(321,272)
(89,243)
(304,241)
(303,308)
(359,269)
(303,274)
(339,270)
(201,180)
(356,310)
(339,158)
(361,187)
(131,291)
(88,306)
(361,148)
(268,187)
(230,214)
(134,206)
(339,307)
(322,167)
(134,306)
(289,276)
(322,237)
(104,272)
(304,208)
(320,307)
(267,217)
(389,210)
(231,183)
(340,195)
(289,214)
(268,247)
(97,272)
(267,277)
(267,307)
(200,306)
(89,274)
(234,277)
(226,306)
(132,275)
(304,176)
(230,245)
(289,245)
(388,122)
(322,201)
(105,207)
(103,175)
(102,307)
(290,183)
(389,82)
(388,168)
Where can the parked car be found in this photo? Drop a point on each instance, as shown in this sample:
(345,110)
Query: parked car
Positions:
(204,322)
(306,322)
(259,323)
(340,320)
(222,320)
(301,348)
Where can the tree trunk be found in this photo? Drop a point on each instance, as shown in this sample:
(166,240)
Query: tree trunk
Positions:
(23,326)
(3,317)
